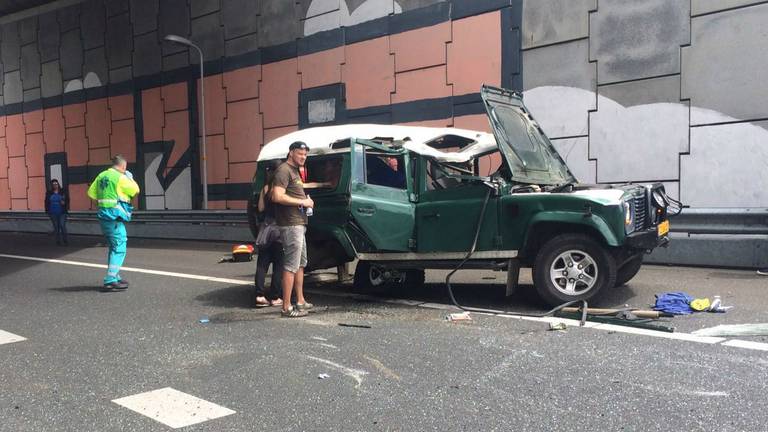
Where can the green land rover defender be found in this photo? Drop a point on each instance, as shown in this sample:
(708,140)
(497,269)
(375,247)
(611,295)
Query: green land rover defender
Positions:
(402,199)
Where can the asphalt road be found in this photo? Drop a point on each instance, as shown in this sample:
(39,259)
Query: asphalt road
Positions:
(406,369)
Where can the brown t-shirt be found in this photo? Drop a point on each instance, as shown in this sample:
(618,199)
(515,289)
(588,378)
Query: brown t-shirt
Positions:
(288,177)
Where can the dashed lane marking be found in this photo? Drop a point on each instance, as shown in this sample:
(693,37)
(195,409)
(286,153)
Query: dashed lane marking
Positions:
(173,408)
(571,323)
(6,337)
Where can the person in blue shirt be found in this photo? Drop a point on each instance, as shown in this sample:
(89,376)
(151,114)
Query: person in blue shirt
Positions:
(57,206)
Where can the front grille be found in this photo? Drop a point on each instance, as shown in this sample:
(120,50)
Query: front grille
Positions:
(641,212)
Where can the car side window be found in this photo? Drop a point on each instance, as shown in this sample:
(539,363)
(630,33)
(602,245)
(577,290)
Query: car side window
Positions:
(387,170)
(440,175)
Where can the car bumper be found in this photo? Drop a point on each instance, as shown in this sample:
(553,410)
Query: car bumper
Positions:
(647,239)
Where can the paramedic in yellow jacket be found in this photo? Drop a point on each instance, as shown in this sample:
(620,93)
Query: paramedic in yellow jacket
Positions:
(113,189)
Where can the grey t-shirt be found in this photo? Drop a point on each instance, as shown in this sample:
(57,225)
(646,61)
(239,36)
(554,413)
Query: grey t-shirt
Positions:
(288,177)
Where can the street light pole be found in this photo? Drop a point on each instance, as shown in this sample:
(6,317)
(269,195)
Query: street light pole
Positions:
(201,110)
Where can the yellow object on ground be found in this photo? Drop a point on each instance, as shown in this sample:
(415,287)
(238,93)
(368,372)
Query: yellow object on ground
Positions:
(701,304)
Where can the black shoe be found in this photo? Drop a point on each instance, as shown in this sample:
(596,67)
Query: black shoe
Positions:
(762,271)
(112,286)
(121,284)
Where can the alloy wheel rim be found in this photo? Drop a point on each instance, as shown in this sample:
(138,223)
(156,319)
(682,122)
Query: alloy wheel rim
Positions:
(573,272)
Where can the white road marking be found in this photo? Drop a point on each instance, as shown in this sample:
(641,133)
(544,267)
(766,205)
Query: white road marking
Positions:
(173,408)
(6,337)
(688,337)
(738,343)
(355,374)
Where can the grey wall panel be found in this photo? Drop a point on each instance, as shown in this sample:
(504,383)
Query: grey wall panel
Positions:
(28,30)
(119,41)
(631,39)
(724,68)
(93,24)
(121,74)
(96,63)
(409,5)
(50,80)
(144,15)
(726,166)
(48,37)
(278,22)
(175,61)
(242,45)
(174,19)
(10,51)
(204,7)
(240,17)
(12,91)
(116,7)
(708,6)
(32,94)
(30,66)
(208,34)
(559,85)
(68,18)
(657,90)
(639,142)
(551,21)
(147,54)
(71,55)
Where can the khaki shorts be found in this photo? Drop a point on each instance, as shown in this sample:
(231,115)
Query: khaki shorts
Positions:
(294,247)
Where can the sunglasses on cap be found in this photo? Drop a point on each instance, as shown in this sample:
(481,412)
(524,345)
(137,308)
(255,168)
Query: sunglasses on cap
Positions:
(298,145)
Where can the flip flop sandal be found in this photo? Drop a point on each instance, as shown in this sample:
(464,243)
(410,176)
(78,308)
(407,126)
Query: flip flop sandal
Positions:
(278,302)
(262,304)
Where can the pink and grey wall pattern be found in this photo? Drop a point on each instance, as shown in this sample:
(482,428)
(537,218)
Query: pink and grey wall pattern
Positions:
(113,86)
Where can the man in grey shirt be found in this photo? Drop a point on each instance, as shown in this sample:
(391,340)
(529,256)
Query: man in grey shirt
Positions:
(290,214)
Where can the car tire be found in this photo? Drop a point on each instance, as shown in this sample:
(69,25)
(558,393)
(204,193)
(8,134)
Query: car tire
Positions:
(366,277)
(629,270)
(414,279)
(558,274)
(253,222)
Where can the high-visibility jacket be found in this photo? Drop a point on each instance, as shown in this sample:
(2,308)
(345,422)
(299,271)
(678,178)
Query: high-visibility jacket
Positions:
(113,191)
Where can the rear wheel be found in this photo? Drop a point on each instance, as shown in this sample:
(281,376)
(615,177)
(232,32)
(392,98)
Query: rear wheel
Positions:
(572,267)
(629,270)
(371,276)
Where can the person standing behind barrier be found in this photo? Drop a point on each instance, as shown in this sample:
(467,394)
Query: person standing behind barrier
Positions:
(113,189)
(270,248)
(290,214)
(57,206)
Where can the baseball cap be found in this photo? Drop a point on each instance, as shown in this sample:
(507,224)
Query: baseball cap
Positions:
(298,145)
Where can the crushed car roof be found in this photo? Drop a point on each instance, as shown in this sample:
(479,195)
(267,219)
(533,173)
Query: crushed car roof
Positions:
(422,140)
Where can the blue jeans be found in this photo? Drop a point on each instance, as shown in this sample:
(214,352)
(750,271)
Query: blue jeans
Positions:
(59,222)
(117,240)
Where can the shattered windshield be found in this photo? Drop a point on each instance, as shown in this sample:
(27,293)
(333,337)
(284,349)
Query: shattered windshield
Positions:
(532,157)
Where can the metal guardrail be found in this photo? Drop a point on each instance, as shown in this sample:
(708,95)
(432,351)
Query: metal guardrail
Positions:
(194,217)
(744,221)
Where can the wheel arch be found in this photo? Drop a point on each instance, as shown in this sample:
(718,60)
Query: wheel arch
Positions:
(547,226)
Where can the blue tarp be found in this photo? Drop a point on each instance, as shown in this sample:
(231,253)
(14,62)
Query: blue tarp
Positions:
(676,303)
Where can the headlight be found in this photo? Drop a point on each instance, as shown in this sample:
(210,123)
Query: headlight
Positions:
(629,222)
(659,199)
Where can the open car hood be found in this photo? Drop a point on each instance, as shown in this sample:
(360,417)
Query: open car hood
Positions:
(530,155)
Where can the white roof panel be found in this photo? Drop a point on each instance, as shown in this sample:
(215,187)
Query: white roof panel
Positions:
(320,139)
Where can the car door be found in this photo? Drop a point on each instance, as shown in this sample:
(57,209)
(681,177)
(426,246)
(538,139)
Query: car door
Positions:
(380,201)
(448,210)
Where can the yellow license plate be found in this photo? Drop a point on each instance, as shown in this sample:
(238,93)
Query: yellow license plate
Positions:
(663,228)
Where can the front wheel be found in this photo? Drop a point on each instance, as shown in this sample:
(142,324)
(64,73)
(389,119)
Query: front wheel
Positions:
(629,270)
(572,267)
(371,276)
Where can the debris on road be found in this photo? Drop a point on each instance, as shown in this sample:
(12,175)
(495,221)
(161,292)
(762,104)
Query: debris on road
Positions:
(734,330)
(354,325)
(204,320)
(459,316)
(557,326)
(680,303)
(323,376)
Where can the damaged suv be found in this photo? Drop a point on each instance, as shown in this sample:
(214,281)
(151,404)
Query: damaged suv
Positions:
(402,199)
